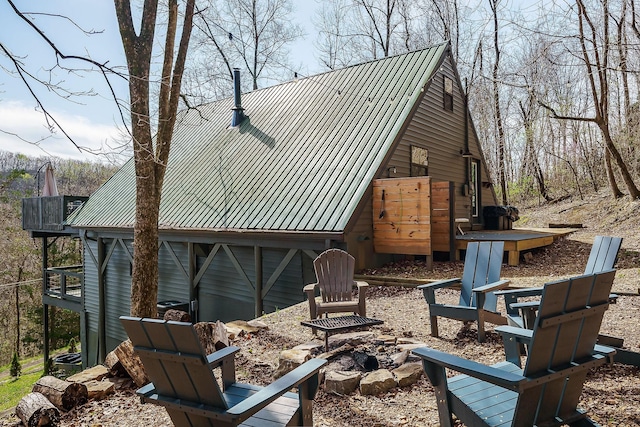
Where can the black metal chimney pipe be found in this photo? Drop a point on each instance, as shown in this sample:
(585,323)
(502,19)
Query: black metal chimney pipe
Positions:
(238,114)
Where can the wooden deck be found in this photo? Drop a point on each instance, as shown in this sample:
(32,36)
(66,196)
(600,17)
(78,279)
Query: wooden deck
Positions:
(515,241)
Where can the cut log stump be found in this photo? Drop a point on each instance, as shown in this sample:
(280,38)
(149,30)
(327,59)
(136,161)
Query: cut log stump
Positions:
(177,316)
(213,336)
(131,363)
(35,410)
(64,395)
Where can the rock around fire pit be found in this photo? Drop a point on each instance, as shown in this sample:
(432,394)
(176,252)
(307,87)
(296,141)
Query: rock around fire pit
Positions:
(371,362)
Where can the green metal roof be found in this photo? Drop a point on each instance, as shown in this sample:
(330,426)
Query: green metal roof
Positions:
(301,161)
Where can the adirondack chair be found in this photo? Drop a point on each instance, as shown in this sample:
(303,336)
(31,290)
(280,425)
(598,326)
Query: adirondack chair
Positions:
(546,392)
(480,278)
(602,257)
(334,270)
(183,381)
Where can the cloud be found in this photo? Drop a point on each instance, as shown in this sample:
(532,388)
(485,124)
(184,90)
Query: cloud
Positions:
(24,130)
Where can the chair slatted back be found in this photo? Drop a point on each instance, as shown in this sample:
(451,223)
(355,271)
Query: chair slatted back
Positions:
(564,334)
(604,253)
(334,271)
(482,265)
(174,360)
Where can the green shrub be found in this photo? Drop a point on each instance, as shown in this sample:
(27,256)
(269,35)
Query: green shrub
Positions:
(16,368)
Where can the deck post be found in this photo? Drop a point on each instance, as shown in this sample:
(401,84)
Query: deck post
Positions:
(102,333)
(257,252)
(45,307)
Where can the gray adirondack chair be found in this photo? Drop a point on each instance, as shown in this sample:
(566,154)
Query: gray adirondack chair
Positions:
(480,279)
(602,257)
(183,381)
(334,270)
(547,391)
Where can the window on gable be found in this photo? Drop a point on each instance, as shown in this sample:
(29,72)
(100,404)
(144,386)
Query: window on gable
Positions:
(448,94)
(419,161)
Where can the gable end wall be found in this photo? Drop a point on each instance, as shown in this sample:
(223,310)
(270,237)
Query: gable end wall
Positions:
(441,132)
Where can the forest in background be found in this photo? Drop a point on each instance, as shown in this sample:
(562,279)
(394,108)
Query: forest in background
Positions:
(21,267)
(553,85)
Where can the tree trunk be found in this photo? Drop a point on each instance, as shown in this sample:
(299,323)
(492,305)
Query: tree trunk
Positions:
(496,103)
(615,190)
(624,171)
(63,394)
(35,410)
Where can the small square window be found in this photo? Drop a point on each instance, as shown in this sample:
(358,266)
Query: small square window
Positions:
(448,94)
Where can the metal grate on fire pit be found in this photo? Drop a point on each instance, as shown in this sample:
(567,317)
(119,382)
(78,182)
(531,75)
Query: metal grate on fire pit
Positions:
(341,323)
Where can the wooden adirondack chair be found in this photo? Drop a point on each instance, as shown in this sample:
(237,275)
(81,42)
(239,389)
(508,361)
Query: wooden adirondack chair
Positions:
(183,381)
(546,392)
(334,271)
(602,257)
(480,278)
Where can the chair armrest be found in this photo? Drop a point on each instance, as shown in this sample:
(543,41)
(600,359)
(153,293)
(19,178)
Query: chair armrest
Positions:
(517,293)
(311,287)
(429,289)
(491,287)
(531,305)
(499,377)
(521,335)
(216,358)
(439,284)
(261,399)
(361,285)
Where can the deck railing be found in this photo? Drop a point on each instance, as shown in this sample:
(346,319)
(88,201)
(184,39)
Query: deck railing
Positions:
(49,213)
(64,282)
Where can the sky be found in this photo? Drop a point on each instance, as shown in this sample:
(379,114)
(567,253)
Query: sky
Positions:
(91,119)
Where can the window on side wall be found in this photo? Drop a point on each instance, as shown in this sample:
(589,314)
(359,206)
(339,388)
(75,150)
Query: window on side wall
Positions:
(419,161)
(448,94)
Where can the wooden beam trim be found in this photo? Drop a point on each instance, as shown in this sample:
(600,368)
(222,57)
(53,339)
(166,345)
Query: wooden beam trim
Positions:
(87,248)
(112,247)
(126,249)
(207,263)
(238,267)
(175,258)
(276,274)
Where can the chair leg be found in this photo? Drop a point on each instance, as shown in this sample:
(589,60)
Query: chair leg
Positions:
(434,326)
(480,321)
(438,378)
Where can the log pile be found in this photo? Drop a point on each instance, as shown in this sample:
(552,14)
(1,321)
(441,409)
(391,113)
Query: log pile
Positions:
(36,410)
(64,395)
(131,363)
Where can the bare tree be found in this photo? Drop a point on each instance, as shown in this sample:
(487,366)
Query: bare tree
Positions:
(496,104)
(596,50)
(253,35)
(151,158)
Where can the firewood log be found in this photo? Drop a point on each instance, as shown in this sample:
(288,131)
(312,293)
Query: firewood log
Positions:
(64,395)
(36,410)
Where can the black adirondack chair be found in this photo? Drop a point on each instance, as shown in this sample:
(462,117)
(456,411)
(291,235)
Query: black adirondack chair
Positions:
(480,278)
(547,391)
(183,381)
(602,257)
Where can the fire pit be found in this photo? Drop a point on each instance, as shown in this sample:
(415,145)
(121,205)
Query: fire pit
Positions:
(331,325)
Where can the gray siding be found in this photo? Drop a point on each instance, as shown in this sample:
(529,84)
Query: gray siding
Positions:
(91,300)
(173,280)
(223,293)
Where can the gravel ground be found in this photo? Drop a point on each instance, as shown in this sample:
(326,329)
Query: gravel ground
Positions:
(611,394)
